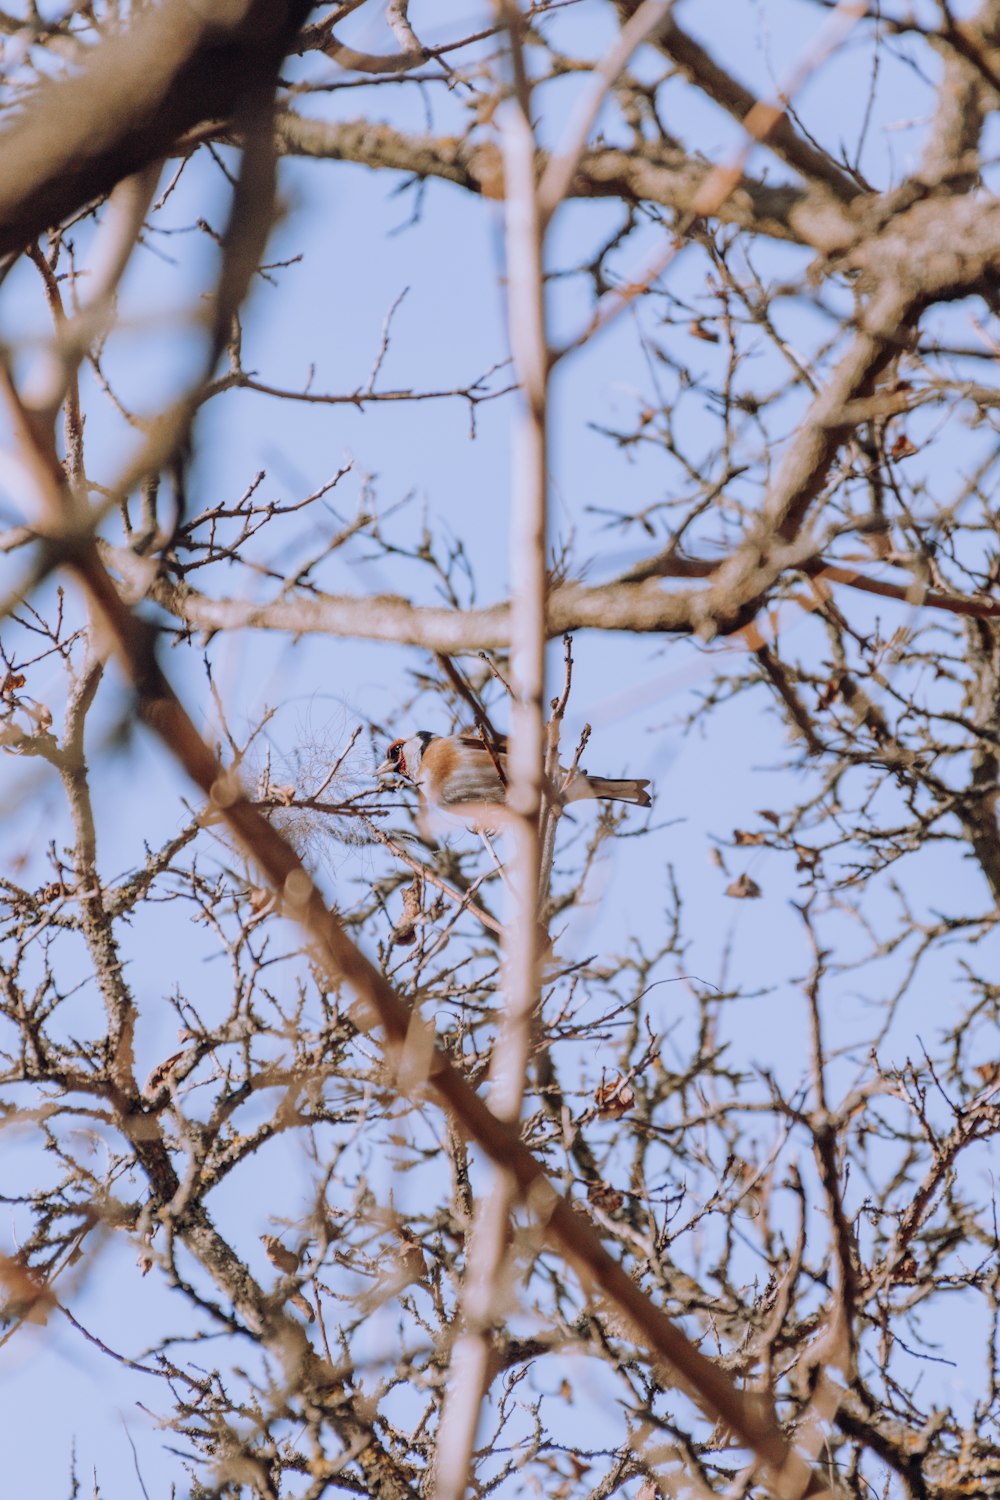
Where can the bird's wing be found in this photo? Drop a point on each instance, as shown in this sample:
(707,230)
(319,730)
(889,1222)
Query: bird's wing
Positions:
(472,781)
(475,743)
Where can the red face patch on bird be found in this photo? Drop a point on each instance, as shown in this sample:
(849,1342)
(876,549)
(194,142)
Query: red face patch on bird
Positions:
(395,757)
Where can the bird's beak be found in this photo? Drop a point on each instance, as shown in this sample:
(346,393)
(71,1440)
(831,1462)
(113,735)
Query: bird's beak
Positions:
(386,769)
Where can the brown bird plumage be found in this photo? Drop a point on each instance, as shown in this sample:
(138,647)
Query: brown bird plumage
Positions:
(458,772)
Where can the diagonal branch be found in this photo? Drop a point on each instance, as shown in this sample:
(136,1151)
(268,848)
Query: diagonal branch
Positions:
(140,89)
(701,69)
(411,1045)
(407,1038)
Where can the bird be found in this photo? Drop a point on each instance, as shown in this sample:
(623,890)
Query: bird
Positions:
(460,774)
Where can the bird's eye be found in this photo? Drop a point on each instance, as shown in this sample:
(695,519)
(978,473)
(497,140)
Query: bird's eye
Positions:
(394,753)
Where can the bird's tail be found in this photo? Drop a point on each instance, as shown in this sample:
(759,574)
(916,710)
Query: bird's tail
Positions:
(633,790)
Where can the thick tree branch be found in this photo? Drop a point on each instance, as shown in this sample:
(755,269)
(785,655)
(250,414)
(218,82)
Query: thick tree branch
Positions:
(657,174)
(137,93)
(644,607)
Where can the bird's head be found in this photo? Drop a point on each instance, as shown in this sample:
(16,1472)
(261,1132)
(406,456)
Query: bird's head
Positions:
(403,757)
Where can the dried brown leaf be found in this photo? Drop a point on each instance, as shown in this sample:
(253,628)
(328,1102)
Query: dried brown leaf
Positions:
(405,930)
(52,892)
(608,1199)
(411,1256)
(614,1099)
(298,1301)
(162,1072)
(279,1255)
(26,1298)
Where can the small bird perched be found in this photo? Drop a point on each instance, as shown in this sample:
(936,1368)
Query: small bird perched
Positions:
(459,774)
